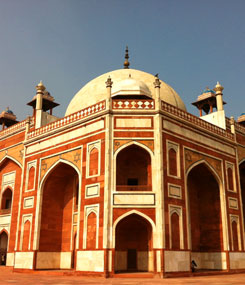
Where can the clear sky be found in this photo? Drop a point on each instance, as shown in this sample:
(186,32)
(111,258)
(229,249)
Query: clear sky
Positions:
(192,44)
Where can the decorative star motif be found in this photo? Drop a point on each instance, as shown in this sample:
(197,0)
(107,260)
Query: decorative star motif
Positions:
(21,153)
(76,157)
(44,166)
(188,157)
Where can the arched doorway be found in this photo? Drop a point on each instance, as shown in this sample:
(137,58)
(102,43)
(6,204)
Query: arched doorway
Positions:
(58,206)
(133,169)
(205,217)
(242,181)
(6,201)
(133,245)
(3,248)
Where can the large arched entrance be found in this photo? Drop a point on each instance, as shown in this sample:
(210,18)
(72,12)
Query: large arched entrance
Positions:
(205,218)
(3,248)
(133,169)
(133,247)
(58,206)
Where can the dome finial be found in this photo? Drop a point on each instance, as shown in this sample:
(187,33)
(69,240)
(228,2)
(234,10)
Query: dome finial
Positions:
(108,82)
(126,62)
(40,86)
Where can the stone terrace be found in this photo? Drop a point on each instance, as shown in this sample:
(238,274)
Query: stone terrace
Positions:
(50,277)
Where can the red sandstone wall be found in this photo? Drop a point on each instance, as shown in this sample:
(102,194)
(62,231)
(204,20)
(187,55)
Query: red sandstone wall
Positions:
(6,167)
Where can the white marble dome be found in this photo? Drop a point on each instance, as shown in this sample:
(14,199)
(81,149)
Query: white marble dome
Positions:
(125,82)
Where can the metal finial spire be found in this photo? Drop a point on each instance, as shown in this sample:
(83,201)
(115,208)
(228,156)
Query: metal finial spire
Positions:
(126,62)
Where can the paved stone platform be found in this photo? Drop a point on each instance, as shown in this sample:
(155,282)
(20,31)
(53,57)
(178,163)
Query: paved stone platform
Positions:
(8,277)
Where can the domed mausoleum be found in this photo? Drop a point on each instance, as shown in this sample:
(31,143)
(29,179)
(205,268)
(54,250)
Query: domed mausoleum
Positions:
(127,181)
(129,83)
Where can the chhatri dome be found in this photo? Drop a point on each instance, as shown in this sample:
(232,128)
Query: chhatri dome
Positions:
(130,82)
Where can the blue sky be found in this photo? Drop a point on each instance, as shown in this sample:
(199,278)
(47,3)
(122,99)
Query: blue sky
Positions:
(192,44)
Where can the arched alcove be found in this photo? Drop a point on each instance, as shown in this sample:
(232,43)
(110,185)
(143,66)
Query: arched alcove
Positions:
(58,193)
(3,247)
(7,199)
(133,169)
(26,235)
(175,231)
(31,177)
(91,231)
(205,216)
(172,155)
(133,244)
(94,161)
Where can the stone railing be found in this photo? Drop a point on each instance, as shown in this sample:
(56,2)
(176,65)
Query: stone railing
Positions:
(15,128)
(239,128)
(96,108)
(195,120)
(5,211)
(133,104)
(133,187)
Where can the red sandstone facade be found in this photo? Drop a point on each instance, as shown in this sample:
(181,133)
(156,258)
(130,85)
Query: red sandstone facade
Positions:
(131,182)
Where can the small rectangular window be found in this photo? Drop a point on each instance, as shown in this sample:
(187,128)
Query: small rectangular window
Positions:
(133,181)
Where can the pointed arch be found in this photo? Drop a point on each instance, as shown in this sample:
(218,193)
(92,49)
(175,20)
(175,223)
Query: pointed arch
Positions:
(134,143)
(234,229)
(37,230)
(91,240)
(206,206)
(26,235)
(139,214)
(173,164)
(10,158)
(241,161)
(7,198)
(61,160)
(7,187)
(31,177)
(133,242)
(220,181)
(4,241)
(133,165)
(209,166)
(176,211)
(175,230)
(5,231)
(93,166)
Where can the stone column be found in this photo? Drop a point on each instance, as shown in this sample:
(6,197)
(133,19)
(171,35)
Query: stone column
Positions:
(107,230)
(219,96)
(39,104)
(28,122)
(157,173)
(232,122)
(108,97)
(157,84)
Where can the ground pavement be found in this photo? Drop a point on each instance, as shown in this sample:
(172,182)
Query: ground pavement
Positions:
(8,277)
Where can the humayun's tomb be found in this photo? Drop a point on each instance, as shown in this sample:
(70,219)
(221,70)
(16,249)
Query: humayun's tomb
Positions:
(126,181)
